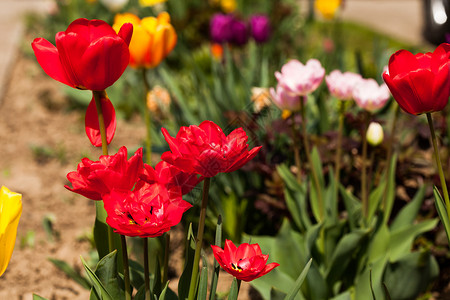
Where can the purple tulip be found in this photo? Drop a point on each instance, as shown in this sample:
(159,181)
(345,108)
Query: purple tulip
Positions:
(260,28)
(221,28)
(239,32)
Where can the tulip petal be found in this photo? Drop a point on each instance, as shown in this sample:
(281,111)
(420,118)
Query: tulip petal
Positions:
(48,58)
(91,122)
(126,32)
(10,212)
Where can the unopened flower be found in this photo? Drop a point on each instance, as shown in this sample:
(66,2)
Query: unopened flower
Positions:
(327,8)
(158,102)
(114,5)
(228,6)
(220,28)
(299,79)
(369,95)
(88,55)
(420,83)
(240,32)
(93,179)
(206,150)
(10,212)
(147,211)
(260,28)
(153,38)
(217,51)
(374,134)
(341,85)
(260,98)
(245,262)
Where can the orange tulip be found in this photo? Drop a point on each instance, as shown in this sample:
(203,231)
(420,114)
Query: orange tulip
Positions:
(153,38)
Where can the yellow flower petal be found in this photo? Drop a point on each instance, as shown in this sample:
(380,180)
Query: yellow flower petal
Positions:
(327,8)
(10,211)
(150,2)
(139,46)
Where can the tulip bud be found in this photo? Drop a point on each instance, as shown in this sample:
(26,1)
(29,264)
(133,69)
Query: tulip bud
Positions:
(374,134)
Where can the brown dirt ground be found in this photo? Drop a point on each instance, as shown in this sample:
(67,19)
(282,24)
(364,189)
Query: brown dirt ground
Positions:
(34,115)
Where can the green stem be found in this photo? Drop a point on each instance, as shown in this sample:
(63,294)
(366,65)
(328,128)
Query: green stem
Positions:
(308,156)
(439,165)
(198,246)
(146,270)
(296,149)
(147,119)
(166,259)
(98,96)
(364,199)
(337,175)
(126,269)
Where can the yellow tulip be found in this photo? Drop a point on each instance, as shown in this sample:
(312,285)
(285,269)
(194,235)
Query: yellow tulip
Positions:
(327,8)
(228,6)
(10,211)
(150,2)
(153,38)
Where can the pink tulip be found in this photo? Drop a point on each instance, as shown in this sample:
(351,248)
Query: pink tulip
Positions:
(298,79)
(341,85)
(284,100)
(369,95)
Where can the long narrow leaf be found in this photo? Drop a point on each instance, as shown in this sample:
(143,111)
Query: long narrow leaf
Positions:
(96,283)
(298,283)
(215,275)
(440,207)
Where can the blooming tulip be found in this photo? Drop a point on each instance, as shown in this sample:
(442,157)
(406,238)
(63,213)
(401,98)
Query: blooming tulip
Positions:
(327,8)
(341,85)
(298,79)
(260,28)
(93,179)
(147,211)
(221,28)
(150,2)
(206,150)
(245,262)
(420,83)
(88,55)
(153,38)
(170,176)
(240,32)
(10,211)
(285,100)
(369,95)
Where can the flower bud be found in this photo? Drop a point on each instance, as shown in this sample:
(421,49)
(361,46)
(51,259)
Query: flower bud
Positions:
(374,134)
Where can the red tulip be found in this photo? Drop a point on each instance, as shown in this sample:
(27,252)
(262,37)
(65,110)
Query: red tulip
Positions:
(148,211)
(95,179)
(92,125)
(205,149)
(245,262)
(420,83)
(170,176)
(88,55)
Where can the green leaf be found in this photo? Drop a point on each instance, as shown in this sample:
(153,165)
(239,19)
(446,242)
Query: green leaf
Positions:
(98,286)
(276,294)
(343,254)
(203,284)
(390,189)
(401,240)
(167,293)
(353,208)
(410,275)
(106,272)
(215,275)
(379,244)
(362,285)
(409,213)
(440,207)
(234,291)
(298,283)
(314,199)
(375,198)
(37,297)
(185,278)
(66,268)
